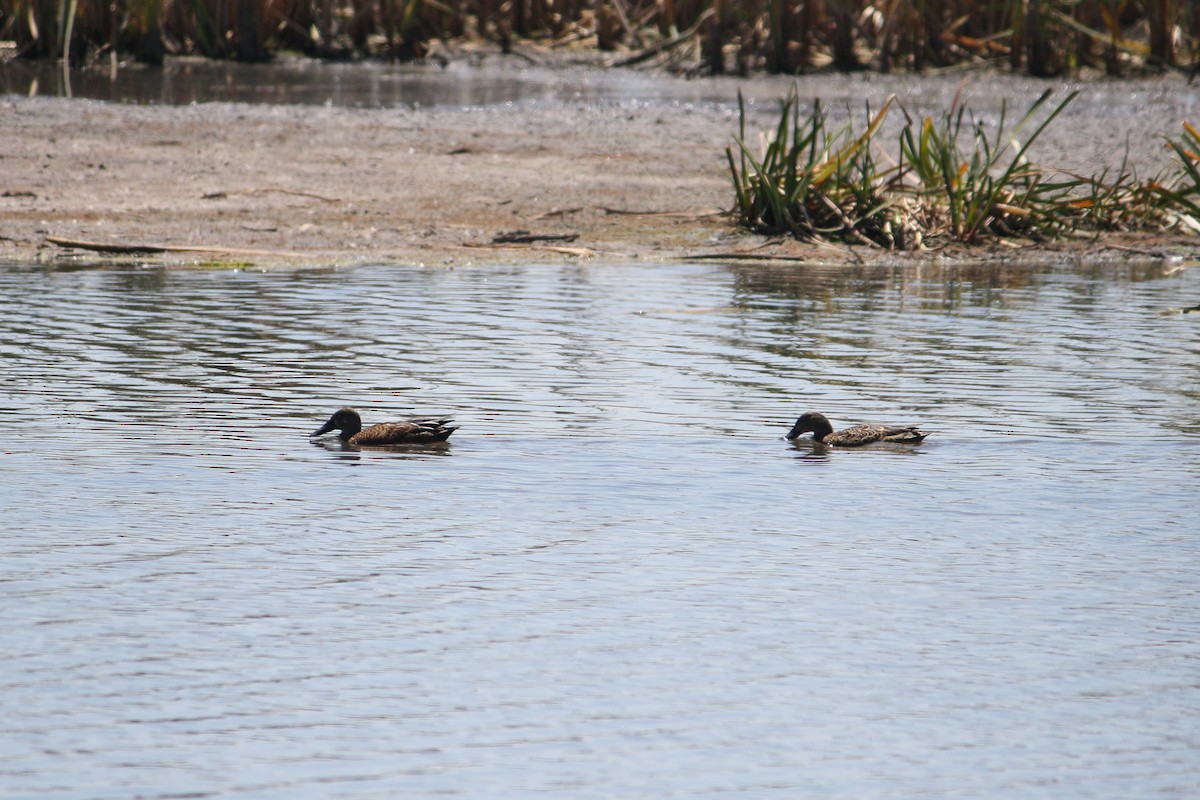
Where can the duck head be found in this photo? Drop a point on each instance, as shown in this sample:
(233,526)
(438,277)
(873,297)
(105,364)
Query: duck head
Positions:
(345,420)
(811,421)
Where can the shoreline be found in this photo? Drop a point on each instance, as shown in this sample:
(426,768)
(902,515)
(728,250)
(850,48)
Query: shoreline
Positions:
(536,182)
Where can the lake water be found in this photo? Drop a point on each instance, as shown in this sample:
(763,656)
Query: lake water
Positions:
(355,85)
(616,581)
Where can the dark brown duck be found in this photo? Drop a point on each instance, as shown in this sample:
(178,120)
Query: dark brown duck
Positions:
(414,431)
(856,436)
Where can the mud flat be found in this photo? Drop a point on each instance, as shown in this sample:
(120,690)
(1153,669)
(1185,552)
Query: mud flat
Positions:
(529,182)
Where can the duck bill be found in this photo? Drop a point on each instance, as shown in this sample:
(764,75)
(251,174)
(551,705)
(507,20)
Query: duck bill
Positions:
(794,432)
(326,428)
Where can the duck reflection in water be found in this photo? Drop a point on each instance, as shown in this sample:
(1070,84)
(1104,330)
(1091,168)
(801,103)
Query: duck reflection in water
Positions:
(382,434)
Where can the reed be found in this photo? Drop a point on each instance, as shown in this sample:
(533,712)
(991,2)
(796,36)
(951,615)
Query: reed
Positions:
(1183,192)
(954,179)
(1041,37)
(813,181)
(983,183)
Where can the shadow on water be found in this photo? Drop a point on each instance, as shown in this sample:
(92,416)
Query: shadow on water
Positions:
(402,451)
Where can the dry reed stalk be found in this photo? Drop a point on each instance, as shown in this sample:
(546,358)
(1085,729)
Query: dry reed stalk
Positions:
(1042,37)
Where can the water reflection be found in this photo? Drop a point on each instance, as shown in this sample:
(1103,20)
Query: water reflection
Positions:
(945,286)
(354,453)
(185,81)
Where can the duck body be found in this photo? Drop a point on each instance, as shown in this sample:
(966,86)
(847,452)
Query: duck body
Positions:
(855,436)
(415,431)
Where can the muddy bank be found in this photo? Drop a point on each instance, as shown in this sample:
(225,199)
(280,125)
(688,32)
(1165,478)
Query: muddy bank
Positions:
(544,181)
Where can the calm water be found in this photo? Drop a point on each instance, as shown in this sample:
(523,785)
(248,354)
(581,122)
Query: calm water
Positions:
(362,84)
(616,581)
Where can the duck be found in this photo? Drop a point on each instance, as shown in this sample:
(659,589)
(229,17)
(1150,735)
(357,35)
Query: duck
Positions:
(415,431)
(855,436)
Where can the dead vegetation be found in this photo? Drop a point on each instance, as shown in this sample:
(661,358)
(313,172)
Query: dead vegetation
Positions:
(1039,37)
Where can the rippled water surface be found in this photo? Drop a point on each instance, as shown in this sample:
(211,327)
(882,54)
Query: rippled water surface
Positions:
(616,581)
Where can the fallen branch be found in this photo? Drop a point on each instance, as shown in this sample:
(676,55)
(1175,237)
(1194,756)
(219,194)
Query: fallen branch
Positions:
(220,195)
(741,256)
(665,45)
(582,252)
(133,249)
(713,212)
(559,212)
(525,237)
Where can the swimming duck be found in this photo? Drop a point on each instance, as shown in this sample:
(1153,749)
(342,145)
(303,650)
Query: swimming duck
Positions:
(416,431)
(856,436)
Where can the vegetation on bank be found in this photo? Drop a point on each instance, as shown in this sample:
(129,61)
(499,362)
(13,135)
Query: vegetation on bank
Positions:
(1040,37)
(952,177)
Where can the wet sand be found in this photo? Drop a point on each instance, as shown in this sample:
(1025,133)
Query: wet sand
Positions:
(226,183)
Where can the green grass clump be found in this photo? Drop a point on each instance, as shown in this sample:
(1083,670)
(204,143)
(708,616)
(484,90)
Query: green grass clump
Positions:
(955,179)
(812,181)
(980,183)
(1184,191)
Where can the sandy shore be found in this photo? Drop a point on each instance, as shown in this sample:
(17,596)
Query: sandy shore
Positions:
(536,182)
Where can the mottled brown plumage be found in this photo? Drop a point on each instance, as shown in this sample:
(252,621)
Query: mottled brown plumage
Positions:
(855,436)
(416,431)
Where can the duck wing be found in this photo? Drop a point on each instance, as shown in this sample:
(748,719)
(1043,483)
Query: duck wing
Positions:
(413,431)
(869,434)
(903,434)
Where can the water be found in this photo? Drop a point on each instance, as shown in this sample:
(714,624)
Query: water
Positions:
(353,85)
(617,580)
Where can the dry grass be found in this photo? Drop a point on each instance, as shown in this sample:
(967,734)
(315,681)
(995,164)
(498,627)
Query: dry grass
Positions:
(1042,37)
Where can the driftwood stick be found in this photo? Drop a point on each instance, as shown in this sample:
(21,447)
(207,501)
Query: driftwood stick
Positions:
(666,44)
(131,249)
(525,237)
(559,212)
(711,212)
(583,252)
(104,247)
(269,190)
(742,256)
